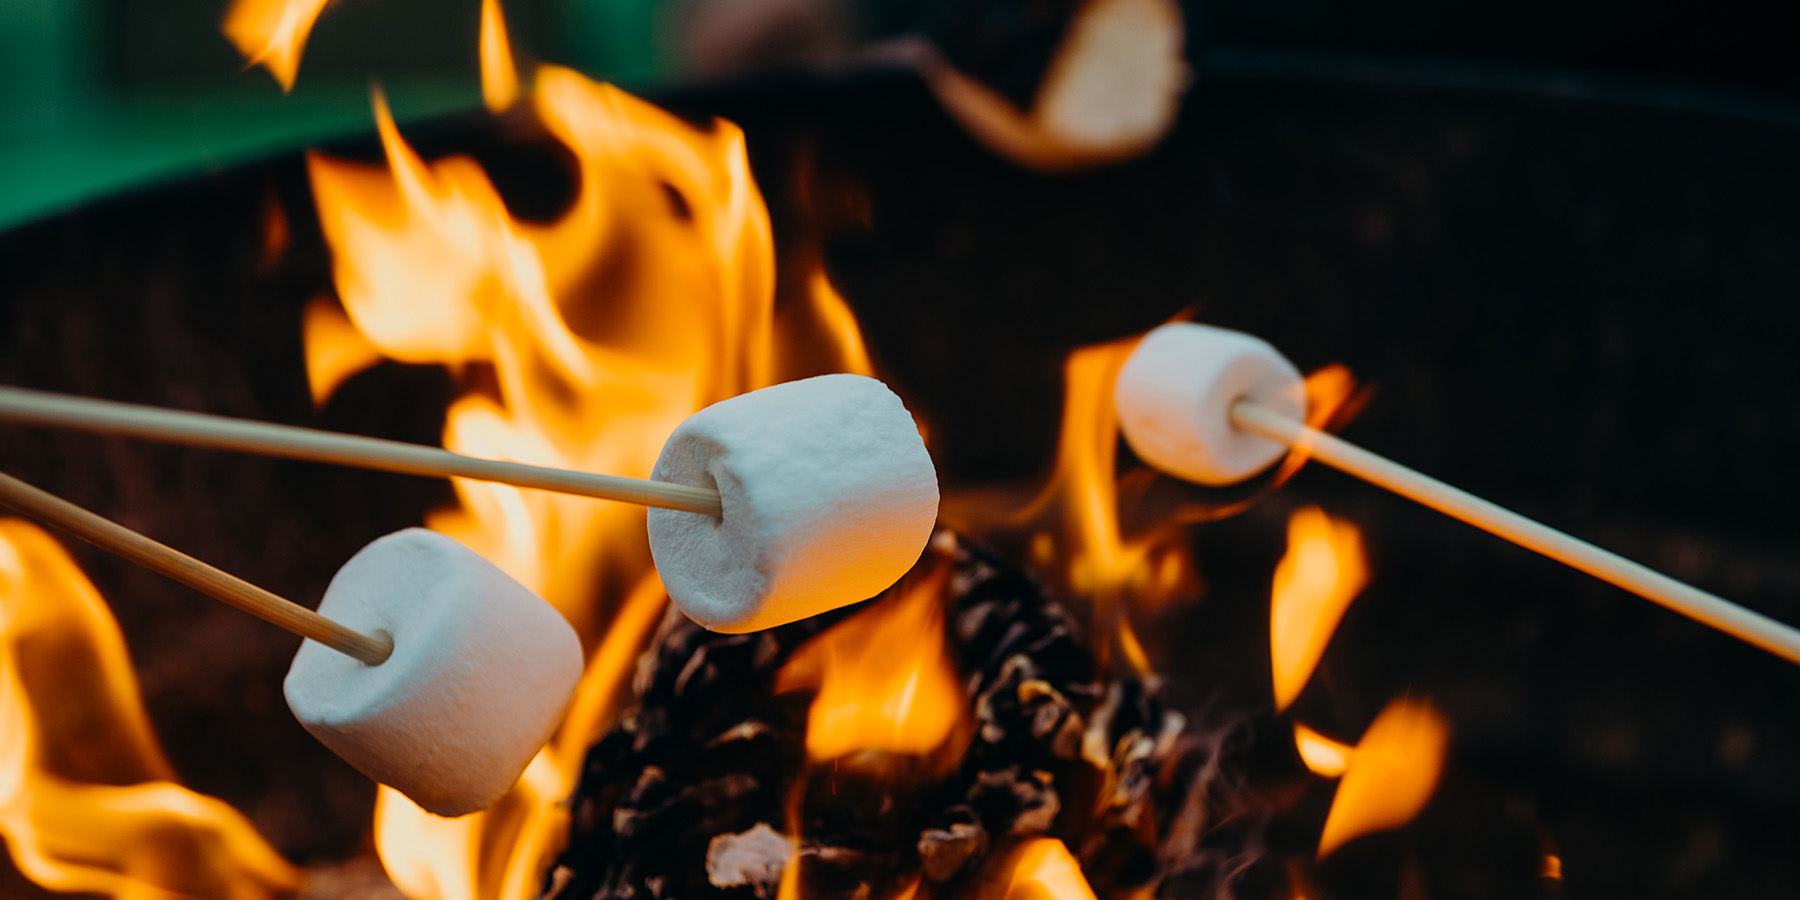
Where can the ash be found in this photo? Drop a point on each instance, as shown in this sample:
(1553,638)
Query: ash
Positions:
(695,793)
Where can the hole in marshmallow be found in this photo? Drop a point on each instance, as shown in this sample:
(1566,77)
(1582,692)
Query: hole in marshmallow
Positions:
(711,483)
(382,634)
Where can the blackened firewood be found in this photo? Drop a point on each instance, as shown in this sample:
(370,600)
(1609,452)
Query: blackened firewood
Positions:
(694,793)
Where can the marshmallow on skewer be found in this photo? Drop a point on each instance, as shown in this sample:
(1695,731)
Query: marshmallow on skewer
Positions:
(829,497)
(481,672)
(1174,398)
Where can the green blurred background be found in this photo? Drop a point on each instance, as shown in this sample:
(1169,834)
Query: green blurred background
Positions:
(99,95)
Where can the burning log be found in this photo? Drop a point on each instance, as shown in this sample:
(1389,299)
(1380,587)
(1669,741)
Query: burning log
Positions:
(706,789)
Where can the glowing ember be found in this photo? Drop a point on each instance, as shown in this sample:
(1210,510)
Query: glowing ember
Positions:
(1391,775)
(499,77)
(272,33)
(884,681)
(1044,869)
(1322,755)
(87,801)
(1322,571)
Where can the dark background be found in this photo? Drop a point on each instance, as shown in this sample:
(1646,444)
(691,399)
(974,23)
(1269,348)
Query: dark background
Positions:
(1561,246)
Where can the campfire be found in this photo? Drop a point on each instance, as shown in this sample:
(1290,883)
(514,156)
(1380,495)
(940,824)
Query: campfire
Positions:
(1136,670)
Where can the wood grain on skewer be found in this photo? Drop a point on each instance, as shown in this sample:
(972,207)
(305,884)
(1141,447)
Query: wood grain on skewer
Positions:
(115,538)
(293,442)
(1776,637)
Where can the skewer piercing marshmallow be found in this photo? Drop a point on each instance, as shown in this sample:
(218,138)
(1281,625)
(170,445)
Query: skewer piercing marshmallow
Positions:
(1217,406)
(481,672)
(829,497)
(1174,399)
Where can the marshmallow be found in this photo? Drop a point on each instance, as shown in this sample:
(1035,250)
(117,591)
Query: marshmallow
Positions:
(829,497)
(1174,398)
(481,673)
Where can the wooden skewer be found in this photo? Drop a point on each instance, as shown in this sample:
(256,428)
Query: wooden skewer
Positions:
(1776,637)
(293,442)
(115,538)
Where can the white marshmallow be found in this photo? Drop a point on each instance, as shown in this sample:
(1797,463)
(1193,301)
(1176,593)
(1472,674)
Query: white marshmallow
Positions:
(1174,398)
(829,497)
(481,673)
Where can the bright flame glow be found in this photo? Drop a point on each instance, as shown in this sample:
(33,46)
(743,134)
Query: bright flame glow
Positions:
(1044,869)
(1322,755)
(1074,523)
(1330,399)
(272,33)
(335,350)
(833,315)
(1552,867)
(593,336)
(1392,773)
(1100,560)
(499,77)
(87,801)
(884,681)
(1322,571)
(432,269)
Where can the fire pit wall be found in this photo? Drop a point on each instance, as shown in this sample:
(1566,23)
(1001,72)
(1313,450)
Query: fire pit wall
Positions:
(1578,308)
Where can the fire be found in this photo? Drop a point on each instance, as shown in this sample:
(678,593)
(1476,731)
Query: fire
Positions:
(335,349)
(1077,520)
(1044,869)
(833,315)
(432,269)
(87,801)
(884,681)
(499,78)
(1085,478)
(1552,870)
(1322,755)
(1322,571)
(594,336)
(1392,772)
(272,33)
(1074,523)
(1331,400)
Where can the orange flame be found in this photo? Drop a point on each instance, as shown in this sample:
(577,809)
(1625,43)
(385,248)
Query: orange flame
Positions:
(1322,571)
(885,683)
(1322,755)
(1552,869)
(591,337)
(272,33)
(1083,485)
(667,235)
(335,350)
(87,801)
(1074,522)
(1391,774)
(839,324)
(499,77)
(1044,869)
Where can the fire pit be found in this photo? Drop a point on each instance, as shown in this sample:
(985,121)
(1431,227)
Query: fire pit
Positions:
(1528,302)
